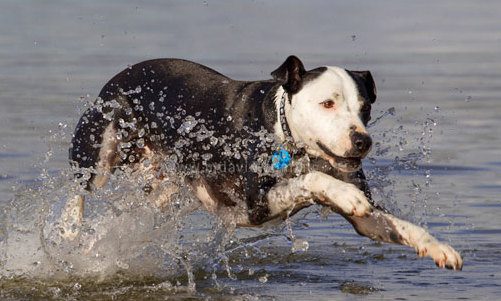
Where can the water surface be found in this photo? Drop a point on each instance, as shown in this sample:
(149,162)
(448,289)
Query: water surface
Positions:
(438,64)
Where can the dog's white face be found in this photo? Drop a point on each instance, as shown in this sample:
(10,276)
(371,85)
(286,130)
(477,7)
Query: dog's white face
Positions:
(327,111)
(328,116)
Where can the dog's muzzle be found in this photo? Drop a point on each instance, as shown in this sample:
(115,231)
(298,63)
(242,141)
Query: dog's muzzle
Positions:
(361,145)
(346,164)
(352,159)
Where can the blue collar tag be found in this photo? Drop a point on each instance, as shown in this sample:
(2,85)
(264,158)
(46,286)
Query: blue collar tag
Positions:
(280,159)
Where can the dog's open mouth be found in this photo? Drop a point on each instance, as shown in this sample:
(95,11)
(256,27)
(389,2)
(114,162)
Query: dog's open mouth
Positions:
(343,163)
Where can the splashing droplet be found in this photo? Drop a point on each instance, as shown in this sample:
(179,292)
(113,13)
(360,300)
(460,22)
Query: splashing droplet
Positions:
(300,245)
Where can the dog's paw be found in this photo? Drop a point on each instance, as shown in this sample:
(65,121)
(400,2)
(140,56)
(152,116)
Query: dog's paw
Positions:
(350,200)
(443,255)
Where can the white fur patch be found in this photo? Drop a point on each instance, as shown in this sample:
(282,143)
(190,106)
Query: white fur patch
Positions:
(107,154)
(203,195)
(425,244)
(338,195)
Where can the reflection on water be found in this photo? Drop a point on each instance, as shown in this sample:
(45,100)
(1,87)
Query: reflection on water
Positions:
(435,161)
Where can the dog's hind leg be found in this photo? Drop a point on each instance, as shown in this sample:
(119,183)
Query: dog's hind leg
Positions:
(93,153)
(93,149)
(382,226)
(71,217)
(160,182)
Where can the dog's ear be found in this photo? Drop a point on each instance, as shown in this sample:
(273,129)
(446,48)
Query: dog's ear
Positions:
(290,74)
(369,84)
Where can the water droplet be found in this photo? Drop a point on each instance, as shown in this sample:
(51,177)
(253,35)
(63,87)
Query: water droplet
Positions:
(141,133)
(300,245)
(188,125)
(140,143)
(122,265)
(125,145)
(206,157)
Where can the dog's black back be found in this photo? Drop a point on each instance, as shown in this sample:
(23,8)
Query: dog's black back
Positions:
(178,108)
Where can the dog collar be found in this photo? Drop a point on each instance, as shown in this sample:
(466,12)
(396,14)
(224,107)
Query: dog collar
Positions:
(283,120)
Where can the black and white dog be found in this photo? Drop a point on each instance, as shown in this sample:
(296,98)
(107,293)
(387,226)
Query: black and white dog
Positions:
(252,151)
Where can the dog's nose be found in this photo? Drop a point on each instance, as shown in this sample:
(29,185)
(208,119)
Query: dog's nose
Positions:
(361,143)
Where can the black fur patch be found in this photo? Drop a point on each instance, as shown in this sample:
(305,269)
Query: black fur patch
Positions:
(367,91)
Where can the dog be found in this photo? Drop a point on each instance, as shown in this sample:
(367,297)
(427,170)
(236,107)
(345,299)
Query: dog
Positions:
(252,151)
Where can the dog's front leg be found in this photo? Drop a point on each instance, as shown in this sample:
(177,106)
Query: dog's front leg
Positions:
(382,226)
(295,193)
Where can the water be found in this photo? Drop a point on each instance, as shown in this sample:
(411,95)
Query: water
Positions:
(438,64)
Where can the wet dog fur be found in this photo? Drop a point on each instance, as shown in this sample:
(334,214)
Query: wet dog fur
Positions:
(222,132)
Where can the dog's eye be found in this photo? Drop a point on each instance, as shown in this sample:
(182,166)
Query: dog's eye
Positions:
(328,104)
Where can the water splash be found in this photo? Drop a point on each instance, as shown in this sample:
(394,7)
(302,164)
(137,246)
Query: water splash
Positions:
(396,152)
(125,240)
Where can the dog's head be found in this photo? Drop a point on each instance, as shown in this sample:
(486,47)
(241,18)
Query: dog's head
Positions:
(327,110)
